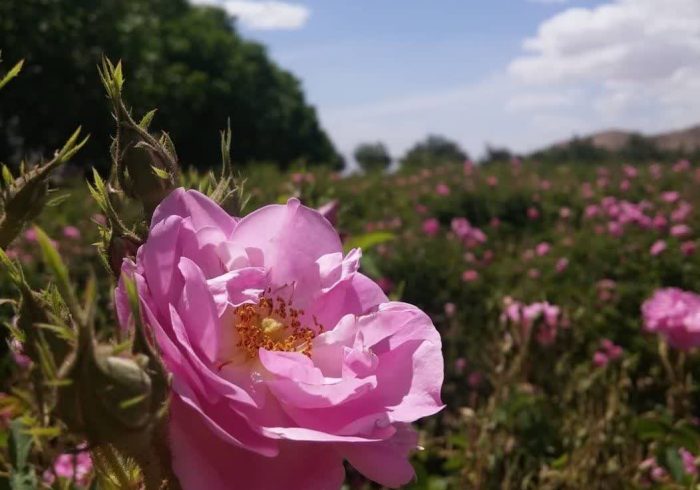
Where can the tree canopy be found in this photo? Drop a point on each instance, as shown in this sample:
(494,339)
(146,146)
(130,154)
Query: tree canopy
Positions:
(188,62)
(434,150)
(372,157)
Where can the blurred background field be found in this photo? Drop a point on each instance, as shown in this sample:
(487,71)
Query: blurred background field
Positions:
(533,262)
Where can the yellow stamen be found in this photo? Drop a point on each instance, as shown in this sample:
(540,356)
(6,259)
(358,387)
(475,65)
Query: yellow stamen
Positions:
(273,325)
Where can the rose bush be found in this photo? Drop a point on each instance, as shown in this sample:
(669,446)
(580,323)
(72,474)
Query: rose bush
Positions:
(285,359)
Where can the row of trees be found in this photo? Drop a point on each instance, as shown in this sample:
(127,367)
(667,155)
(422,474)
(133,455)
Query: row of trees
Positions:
(188,61)
(437,150)
(434,150)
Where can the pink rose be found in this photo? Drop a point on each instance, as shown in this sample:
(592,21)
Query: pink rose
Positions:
(285,360)
(657,248)
(674,314)
(71,232)
(70,466)
(431,227)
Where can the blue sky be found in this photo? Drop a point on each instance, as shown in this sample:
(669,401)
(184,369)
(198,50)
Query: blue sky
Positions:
(519,73)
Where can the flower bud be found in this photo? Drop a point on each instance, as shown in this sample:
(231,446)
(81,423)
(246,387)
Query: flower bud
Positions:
(119,248)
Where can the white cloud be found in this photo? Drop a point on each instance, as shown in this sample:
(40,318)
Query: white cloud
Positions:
(634,63)
(263,15)
(623,40)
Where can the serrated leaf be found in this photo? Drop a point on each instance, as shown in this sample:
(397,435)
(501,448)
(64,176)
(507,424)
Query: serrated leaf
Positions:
(147,118)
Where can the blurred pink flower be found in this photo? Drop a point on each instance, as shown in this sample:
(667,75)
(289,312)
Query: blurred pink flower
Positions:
(688,459)
(543,249)
(492,181)
(30,235)
(681,166)
(562,264)
(450,310)
(682,212)
(69,466)
(18,355)
(474,380)
(680,230)
(460,365)
(657,248)
(533,213)
(533,273)
(71,232)
(675,315)
(564,213)
(442,189)
(420,209)
(285,359)
(431,227)
(470,275)
(688,248)
(670,196)
(600,359)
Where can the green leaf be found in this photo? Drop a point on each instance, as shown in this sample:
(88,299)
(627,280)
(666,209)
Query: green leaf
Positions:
(147,118)
(14,71)
(368,240)
(674,463)
(161,173)
(20,444)
(60,272)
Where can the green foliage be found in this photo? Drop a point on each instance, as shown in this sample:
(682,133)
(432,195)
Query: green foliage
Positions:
(372,157)
(432,152)
(188,61)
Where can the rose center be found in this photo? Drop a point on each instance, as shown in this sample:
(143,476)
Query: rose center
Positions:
(273,325)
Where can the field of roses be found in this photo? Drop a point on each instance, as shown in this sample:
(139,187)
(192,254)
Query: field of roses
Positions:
(564,296)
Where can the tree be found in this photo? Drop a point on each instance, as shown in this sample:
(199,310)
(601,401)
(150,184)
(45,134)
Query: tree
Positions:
(189,62)
(495,154)
(434,150)
(372,157)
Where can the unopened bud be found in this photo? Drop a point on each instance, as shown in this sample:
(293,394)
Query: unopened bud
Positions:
(119,248)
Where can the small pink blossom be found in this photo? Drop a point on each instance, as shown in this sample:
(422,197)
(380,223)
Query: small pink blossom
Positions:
(688,248)
(470,275)
(533,213)
(450,310)
(670,196)
(543,249)
(30,235)
(70,467)
(431,226)
(71,232)
(657,248)
(492,181)
(442,189)
(460,365)
(561,265)
(600,359)
(475,379)
(680,230)
(689,464)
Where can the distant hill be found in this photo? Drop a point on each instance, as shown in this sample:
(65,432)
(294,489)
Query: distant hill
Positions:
(615,140)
